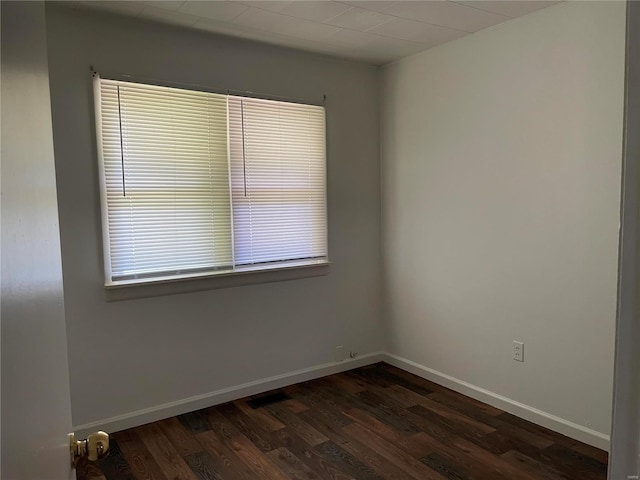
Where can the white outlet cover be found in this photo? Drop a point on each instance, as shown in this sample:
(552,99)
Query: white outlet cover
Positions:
(338,355)
(518,351)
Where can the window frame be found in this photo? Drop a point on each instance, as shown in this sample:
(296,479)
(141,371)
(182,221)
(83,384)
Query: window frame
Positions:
(237,275)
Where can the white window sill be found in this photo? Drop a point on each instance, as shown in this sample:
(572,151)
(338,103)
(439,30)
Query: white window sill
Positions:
(130,289)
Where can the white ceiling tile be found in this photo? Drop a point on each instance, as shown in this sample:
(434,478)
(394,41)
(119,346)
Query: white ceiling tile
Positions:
(447,14)
(382,50)
(360,19)
(375,5)
(126,8)
(272,6)
(348,44)
(349,39)
(222,11)
(285,25)
(429,35)
(165,4)
(318,11)
(393,44)
(369,31)
(264,36)
(509,8)
(169,16)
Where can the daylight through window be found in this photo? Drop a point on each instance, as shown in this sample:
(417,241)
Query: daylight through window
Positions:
(196,183)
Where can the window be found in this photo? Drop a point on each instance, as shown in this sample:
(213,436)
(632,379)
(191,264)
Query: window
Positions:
(197,183)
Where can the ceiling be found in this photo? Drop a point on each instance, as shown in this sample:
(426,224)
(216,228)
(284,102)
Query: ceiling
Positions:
(376,32)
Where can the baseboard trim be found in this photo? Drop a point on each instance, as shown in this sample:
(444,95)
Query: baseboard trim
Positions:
(552,422)
(171,409)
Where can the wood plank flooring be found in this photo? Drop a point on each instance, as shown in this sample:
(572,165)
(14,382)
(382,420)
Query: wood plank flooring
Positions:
(373,423)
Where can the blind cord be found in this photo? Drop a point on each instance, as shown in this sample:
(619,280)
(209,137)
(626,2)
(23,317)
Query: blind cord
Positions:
(124,188)
(244,158)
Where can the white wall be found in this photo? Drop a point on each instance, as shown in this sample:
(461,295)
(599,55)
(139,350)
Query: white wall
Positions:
(501,170)
(36,414)
(137,354)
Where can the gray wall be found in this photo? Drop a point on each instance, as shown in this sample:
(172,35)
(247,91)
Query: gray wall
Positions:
(36,414)
(625,439)
(501,192)
(130,355)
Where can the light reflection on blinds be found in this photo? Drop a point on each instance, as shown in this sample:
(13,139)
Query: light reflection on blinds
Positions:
(278,180)
(169,210)
(194,182)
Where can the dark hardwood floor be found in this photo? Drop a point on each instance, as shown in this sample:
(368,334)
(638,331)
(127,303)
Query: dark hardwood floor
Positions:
(373,423)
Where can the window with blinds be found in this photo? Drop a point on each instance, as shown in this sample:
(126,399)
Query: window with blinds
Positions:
(196,183)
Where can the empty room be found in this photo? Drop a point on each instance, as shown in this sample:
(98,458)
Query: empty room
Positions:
(320,240)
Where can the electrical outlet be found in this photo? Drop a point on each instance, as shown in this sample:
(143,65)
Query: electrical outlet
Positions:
(338,355)
(518,351)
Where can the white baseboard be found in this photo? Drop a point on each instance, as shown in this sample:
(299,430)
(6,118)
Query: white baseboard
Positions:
(160,412)
(552,422)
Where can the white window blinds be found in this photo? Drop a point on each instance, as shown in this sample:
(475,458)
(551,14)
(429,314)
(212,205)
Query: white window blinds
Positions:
(196,183)
(278,183)
(166,180)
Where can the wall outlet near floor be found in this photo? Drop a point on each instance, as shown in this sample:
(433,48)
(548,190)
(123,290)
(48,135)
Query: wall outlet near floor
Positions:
(338,354)
(518,351)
